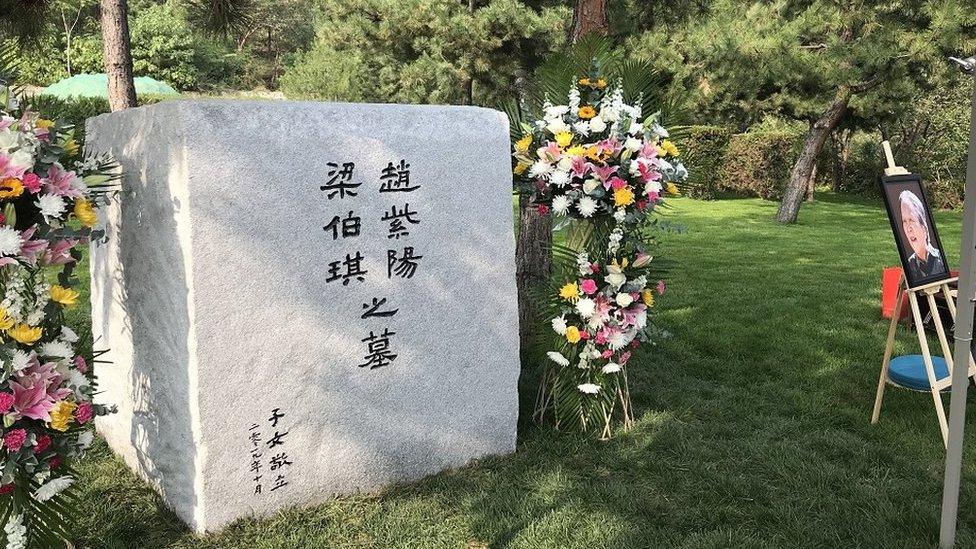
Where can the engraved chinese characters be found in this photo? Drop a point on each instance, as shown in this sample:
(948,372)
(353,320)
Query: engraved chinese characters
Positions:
(395,178)
(305,299)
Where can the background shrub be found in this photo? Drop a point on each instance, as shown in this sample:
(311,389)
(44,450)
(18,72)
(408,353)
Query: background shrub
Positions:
(702,151)
(76,110)
(759,163)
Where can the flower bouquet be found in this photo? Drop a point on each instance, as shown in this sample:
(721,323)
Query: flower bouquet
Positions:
(595,158)
(46,381)
(601,316)
(602,169)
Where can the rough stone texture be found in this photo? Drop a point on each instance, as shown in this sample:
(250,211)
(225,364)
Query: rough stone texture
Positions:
(211,293)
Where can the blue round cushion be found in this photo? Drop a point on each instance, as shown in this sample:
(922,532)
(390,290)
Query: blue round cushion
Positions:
(909,371)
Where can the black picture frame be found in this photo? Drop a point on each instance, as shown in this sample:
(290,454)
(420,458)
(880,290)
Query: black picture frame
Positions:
(892,187)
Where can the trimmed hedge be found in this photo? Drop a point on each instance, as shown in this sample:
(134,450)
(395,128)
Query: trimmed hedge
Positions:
(703,151)
(76,110)
(759,163)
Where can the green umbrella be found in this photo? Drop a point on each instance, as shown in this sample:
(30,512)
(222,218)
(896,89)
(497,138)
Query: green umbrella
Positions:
(96,85)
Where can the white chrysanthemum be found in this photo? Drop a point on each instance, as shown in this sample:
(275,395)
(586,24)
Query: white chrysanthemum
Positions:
(585,307)
(8,140)
(78,184)
(659,130)
(635,128)
(556,111)
(19,360)
(619,215)
(557,126)
(9,240)
(640,322)
(565,163)
(633,144)
(597,124)
(51,206)
(16,532)
(559,325)
(582,128)
(653,186)
(586,206)
(559,178)
(540,168)
(588,388)
(85,439)
(618,340)
(22,159)
(596,322)
(77,378)
(558,358)
(611,368)
(624,299)
(560,204)
(68,335)
(615,277)
(52,488)
(591,185)
(57,349)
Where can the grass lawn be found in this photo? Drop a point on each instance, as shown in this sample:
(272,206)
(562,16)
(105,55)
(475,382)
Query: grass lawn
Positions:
(752,423)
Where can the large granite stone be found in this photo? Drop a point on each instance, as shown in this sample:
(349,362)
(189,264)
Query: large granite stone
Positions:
(218,298)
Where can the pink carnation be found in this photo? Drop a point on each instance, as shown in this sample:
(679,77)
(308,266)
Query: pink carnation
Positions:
(43,442)
(588,286)
(32,182)
(543,210)
(660,287)
(13,440)
(81,365)
(6,401)
(83,413)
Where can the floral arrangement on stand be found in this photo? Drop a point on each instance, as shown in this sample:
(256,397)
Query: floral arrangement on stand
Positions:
(602,169)
(47,197)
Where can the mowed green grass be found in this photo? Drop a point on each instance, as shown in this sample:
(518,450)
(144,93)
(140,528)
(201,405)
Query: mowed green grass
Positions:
(752,423)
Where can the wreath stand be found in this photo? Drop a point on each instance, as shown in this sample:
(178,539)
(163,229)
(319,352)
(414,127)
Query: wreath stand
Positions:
(927,292)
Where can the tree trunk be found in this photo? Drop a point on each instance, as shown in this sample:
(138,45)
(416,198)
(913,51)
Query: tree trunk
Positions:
(467,81)
(789,208)
(533,262)
(118,55)
(812,183)
(589,16)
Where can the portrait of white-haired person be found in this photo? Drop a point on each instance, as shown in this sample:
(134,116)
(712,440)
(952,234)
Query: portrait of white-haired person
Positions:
(925,260)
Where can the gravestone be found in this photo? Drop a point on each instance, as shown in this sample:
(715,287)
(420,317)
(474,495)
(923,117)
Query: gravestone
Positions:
(304,299)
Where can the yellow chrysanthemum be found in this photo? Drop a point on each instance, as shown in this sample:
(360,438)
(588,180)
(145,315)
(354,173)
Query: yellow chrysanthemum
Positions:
(6,322)
(70,146)
(576,150)
(673,189)
(572,334)
(563,139)
(11,188)
(64,296)
(623,197)
(601,83)
(648,297)
(586,112)
(569,292)
(85,213)
(520,168)
(522,145)
(584,81)
(22,333)
(62,414)
(668,148)
(44,123)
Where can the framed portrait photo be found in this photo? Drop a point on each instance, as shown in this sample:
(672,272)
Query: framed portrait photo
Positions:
(919,247)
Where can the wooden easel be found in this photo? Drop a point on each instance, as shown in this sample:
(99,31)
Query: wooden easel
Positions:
(927,292)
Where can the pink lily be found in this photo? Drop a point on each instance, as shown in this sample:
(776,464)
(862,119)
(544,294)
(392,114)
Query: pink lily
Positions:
(58,252)
(604,172)
(9,170)
(30,248)
(58,181)
(580,167)
(32,401)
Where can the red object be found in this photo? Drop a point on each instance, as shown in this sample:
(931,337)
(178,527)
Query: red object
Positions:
(890,288)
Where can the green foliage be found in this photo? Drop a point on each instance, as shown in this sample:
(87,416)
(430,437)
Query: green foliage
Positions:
(76,110)
(703,147)
(759,163)
(421,51)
